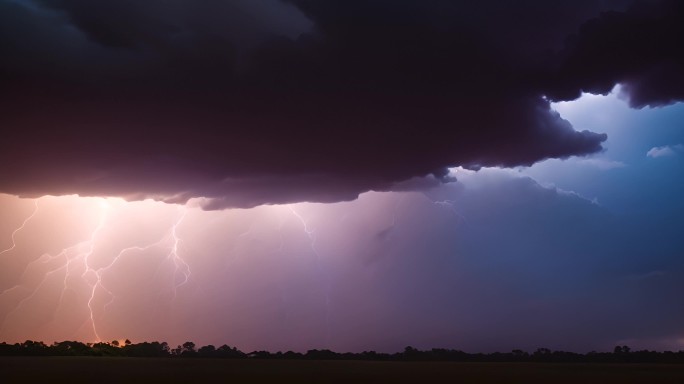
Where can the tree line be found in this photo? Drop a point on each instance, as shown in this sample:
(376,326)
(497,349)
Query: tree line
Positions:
(620,354)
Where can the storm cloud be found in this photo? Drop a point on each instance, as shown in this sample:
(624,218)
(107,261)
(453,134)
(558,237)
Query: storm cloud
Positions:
(245,103)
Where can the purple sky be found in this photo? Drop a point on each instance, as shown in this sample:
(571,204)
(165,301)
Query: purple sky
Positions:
(346,175)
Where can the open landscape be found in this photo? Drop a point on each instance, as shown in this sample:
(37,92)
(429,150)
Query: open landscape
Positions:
(342,191)
(152,370)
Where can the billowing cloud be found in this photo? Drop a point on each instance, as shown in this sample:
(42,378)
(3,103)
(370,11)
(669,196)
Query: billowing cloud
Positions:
(253,102)
(640,48)
(664,151)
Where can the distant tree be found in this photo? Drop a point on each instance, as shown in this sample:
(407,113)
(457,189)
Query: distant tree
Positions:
(71,348)
(620,354)
(145,349)
(519,355)
(621,349)
(230,353)
(411,353)
(259,355)
(188,349)
(9,349)
(207,351)
(105,349)
(292,355)
(542,351)
(323,354)
(33,348)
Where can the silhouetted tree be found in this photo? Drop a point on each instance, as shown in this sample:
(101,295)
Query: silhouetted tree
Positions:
(519,355)
(620,354)
(323,354)
(207,351)
(145,349)
(71,348)
(225,351)
(8,349)
(105,349)
(292,355)
(34,348)
(185,350)
(259,354)
(410,353)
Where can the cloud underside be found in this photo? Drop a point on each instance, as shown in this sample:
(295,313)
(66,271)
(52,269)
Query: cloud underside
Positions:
(309,101)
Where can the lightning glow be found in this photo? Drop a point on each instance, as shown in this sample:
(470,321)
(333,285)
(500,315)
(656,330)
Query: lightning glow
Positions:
(114,266)
(80,273)
(311,234)
(23,224)
(450,205)
(96,272)
(180,265)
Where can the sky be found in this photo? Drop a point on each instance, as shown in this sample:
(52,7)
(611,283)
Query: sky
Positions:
(290,175)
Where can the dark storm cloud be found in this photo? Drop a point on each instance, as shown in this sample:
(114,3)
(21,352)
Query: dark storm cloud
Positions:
(252,102)
(641,48)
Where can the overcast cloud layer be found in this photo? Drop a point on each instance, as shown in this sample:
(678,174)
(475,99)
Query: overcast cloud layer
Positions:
(253,102)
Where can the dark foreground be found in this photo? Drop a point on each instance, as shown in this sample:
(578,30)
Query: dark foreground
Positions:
(151,370)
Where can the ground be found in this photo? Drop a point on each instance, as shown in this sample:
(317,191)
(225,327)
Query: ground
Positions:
(147,370)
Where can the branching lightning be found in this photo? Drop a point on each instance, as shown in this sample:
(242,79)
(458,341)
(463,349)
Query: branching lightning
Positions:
(450,205)
(75,263)
(310,233)
(447,204)
(80,280)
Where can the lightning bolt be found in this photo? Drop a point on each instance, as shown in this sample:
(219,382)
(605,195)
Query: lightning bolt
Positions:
(181,269)
(179,264)
(41,260)
(449,205)
(311,234)
(14,245)
(23,225)
(80,254)
(96,272)
(76,264)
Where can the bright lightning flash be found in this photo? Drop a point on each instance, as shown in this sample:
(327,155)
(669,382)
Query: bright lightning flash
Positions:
(76,266)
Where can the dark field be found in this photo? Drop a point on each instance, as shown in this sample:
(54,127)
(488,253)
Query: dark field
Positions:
(148,370)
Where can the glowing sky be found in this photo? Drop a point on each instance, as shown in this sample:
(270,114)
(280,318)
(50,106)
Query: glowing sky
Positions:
(343,175)
(495,260)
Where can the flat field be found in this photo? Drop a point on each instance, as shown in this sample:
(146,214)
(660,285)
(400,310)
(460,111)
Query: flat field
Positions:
(148,370)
